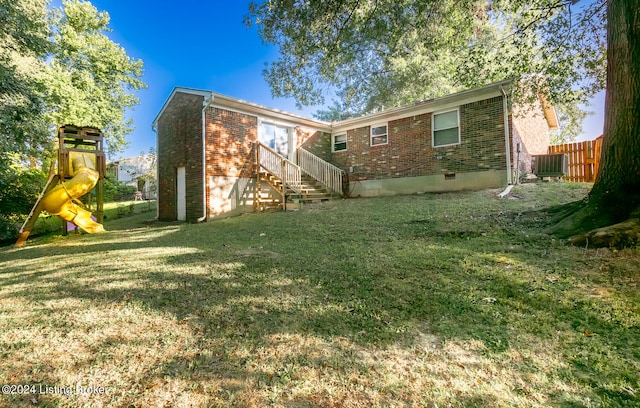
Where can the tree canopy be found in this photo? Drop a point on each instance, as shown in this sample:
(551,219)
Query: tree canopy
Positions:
(24,44)
(377,54)
(58,67)
(91,76)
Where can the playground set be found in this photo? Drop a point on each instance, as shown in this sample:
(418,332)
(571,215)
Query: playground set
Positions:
(81,168)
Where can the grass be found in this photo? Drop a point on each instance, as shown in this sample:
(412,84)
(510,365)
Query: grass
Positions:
(121,209)
(434,300)
(48,224)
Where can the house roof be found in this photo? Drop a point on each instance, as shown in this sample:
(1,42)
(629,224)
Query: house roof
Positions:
(430,105)
(226,101)
(550,113)
(176,90)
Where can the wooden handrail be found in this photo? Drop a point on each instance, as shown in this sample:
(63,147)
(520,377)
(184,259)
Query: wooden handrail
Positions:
(321,170)
(285,170)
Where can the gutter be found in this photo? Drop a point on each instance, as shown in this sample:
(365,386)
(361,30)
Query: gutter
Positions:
(425,106)
(505,109)
(205,104)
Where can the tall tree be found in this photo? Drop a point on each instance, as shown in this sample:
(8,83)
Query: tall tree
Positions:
(24,33)
(91,77)
(59,67)
(610,216)
(378,52)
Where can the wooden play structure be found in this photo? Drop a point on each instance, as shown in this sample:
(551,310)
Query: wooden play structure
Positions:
(81,168)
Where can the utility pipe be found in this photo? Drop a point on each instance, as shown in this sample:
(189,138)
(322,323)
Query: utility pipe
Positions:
(505,109)
(205,104)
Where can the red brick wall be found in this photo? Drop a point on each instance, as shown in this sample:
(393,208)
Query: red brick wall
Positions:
(410,152)
(229,141)
(318,143)
(230,137)
(531,130)
(179,131)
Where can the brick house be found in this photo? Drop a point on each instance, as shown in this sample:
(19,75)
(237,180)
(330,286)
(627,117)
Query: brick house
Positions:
(220,156)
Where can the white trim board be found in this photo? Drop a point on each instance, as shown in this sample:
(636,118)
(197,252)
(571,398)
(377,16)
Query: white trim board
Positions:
(190,91)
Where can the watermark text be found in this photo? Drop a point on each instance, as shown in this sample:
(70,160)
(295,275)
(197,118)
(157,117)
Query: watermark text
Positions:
(41,389)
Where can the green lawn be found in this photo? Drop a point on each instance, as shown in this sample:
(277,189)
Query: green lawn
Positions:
(48,224)
(433,300)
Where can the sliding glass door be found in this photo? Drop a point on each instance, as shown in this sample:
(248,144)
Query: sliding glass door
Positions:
(276,137)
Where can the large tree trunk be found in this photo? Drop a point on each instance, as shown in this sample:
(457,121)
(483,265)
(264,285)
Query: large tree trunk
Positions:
(611,214)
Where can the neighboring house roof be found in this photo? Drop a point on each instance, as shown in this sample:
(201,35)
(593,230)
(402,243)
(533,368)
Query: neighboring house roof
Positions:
(430,105)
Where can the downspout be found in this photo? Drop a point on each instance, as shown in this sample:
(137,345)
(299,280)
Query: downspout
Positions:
(154,128)
(505,109)
(205,104)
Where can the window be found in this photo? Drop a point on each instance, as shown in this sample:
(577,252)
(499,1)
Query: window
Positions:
(446,128)
(275,137)
(339,142)
(379,135)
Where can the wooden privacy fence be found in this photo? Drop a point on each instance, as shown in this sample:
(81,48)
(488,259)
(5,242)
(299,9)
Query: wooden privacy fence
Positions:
(584,159)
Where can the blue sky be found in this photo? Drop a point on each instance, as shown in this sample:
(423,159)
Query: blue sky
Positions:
(194,44)
(205,45)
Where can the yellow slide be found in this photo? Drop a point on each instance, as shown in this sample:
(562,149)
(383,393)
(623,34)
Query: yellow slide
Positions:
(59,201)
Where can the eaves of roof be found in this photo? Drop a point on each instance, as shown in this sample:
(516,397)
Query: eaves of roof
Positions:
(430,105)
(251,108)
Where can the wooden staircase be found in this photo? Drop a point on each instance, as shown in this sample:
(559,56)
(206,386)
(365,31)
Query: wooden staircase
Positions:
(285,185)
(268,196)
(312,191)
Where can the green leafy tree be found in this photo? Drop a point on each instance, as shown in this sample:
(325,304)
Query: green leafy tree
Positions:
(59,67)
(571,118)
(610,216)
(90,76)
(20,187)
(24,44)
(56,67)
(378,54)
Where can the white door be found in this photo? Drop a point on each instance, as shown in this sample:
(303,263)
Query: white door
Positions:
(181,194)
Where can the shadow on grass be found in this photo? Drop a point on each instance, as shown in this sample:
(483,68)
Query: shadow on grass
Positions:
(238,284)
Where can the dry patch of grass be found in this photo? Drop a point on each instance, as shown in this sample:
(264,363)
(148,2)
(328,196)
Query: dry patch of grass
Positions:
(450,300)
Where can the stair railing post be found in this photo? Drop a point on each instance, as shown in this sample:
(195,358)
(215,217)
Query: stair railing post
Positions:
(284,184)
(256,197)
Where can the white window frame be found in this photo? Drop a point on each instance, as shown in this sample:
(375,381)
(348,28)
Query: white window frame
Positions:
(333,142)
(433,127)
(371,136)
(282,125)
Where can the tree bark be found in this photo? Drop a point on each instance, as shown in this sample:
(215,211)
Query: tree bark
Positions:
(612,208)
